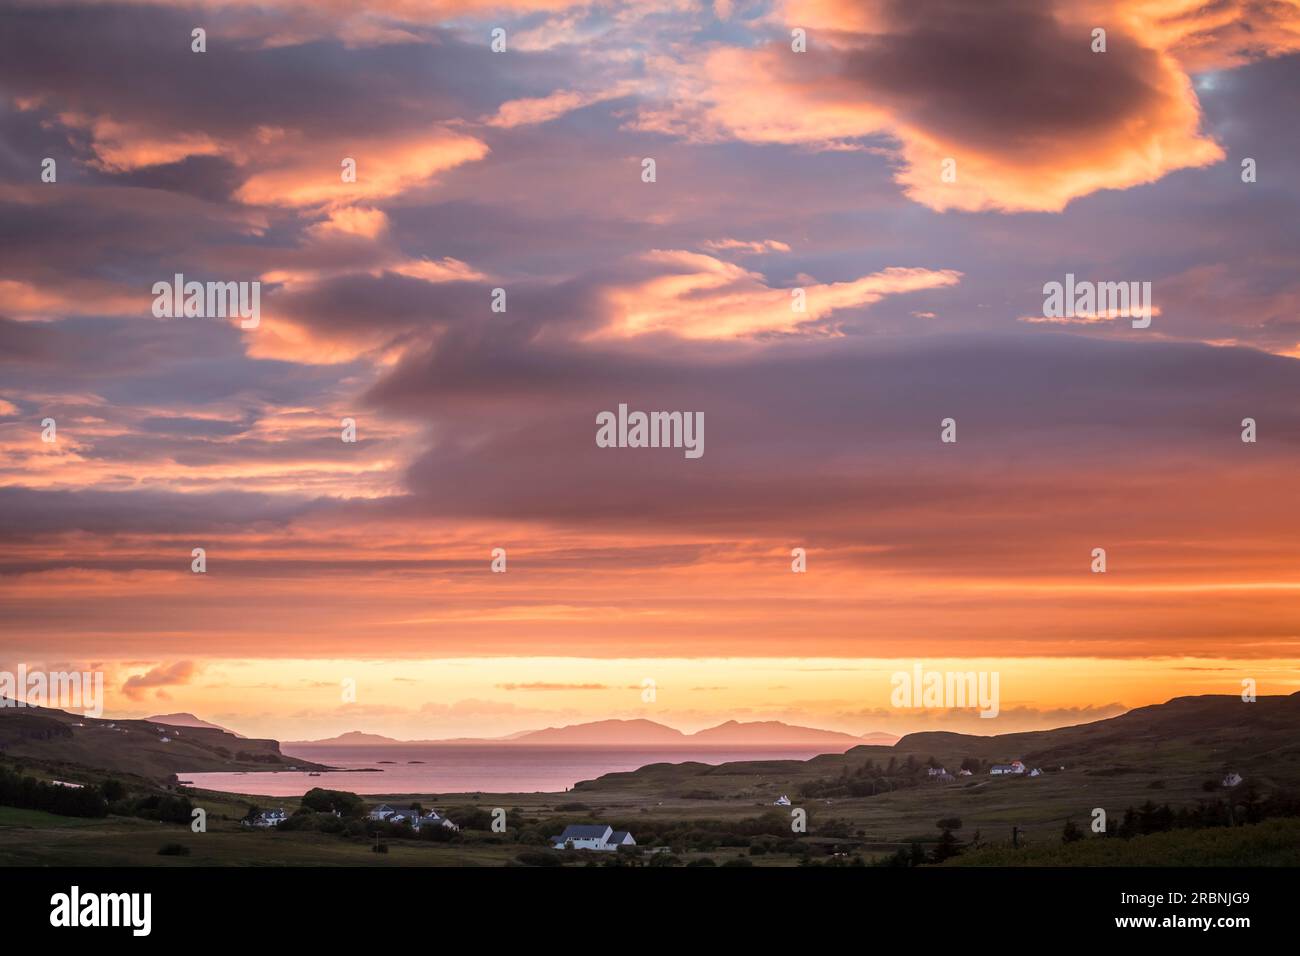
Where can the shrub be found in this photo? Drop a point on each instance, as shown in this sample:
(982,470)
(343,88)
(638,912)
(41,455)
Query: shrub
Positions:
(112,789)
(326,801)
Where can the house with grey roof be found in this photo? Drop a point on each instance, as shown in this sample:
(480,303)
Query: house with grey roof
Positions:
(386,814)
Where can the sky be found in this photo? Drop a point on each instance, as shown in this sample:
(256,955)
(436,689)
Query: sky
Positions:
(913,176)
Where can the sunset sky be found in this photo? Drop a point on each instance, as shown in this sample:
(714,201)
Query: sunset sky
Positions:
(775,170)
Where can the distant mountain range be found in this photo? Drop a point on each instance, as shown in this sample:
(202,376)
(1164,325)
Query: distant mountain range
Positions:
(638,733)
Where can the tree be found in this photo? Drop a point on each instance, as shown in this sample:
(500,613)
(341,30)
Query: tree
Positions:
(948,845)
(320,800)
(1071,833)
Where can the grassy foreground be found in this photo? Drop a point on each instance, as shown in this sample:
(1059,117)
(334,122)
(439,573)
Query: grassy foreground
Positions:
(1271,843)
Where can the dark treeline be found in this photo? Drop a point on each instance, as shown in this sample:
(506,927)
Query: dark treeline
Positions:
(111,796)
(29,793)
(155,806)
(1242,808)
(871,778)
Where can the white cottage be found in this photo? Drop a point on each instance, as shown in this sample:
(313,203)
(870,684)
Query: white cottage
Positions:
(592,837)
(434,819)
(268,818)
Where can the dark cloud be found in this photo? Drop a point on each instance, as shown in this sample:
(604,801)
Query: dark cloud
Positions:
(1007,75)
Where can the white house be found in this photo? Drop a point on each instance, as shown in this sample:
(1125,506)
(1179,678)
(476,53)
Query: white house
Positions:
(1232,779)
(164,740)
(781,801)
(591,837)
(434,818)
(1035,772)
(935,771)
(381,812)
(268,818)
(964,773)
(998,769)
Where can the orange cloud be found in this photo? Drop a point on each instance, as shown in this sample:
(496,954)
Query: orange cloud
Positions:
(542,109)
(696,296)
(172,675)
(305,173)
(37,302)
(1215,36)
(122,147)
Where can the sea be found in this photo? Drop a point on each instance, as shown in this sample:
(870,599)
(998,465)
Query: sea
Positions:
(452,768)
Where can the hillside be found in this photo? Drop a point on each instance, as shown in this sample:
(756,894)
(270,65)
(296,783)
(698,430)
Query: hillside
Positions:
(1206,734)
(1166,753)
(131,746)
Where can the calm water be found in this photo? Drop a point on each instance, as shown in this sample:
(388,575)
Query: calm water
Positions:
(456,769)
